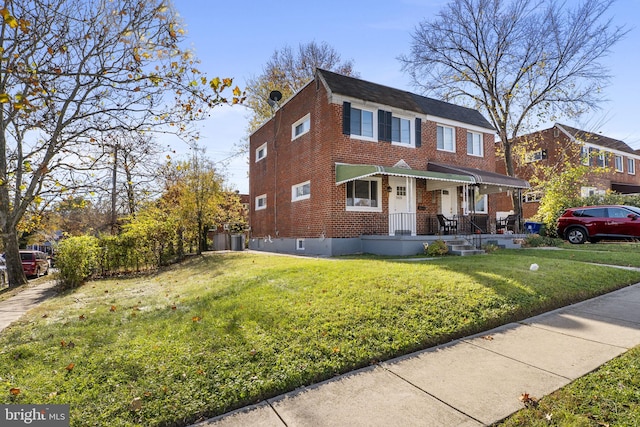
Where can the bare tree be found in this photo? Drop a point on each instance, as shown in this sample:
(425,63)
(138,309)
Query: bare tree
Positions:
(517,60)
(288,71)
(75,70)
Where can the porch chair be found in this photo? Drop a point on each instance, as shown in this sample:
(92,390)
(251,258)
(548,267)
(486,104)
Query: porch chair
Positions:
(447,225)
(507,223)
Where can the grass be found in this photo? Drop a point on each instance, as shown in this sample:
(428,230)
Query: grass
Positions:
(609,396)
(226,330)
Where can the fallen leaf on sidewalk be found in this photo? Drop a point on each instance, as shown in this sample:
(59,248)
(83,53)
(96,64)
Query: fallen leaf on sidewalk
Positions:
(528,401)
(488,337)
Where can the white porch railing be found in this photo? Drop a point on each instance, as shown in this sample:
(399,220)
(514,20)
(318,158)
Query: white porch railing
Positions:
(402,224)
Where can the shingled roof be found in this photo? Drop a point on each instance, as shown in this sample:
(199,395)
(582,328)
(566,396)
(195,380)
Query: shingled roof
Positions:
(595,139)
(372,92)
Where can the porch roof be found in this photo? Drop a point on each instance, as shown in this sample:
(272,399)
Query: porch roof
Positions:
(346,172)
(488,182)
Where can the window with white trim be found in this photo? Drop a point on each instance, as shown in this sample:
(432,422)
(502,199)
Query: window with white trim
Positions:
(476,202)
(400,130)
(474,144)
(601,158)
(590,191)
(364,195)
(584,155)
(361,122)
(300,244)
(261,152)
(261,202)
(618,163)
(445,136)
(532,196)
(301,127)
(301,191)
(535,156)
(631,166)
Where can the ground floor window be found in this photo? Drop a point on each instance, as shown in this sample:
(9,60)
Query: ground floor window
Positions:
(364,195)
(477,203)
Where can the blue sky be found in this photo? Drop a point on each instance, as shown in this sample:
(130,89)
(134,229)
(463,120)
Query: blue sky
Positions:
(235,39)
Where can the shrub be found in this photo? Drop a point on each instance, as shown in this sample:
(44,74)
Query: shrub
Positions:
(437,248)
(77,260)
(536,240)
(490,247)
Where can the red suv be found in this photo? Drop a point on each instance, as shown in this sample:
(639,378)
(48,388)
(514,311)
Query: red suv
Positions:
(594,223)
(34,263)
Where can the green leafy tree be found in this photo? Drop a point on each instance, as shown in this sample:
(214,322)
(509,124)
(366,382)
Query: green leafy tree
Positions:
(193,195)
(519,61)
(561,191)
(75,70)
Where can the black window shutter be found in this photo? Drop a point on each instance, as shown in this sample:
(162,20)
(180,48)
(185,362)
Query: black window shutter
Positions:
(346,118)
(418,132)
(384,125)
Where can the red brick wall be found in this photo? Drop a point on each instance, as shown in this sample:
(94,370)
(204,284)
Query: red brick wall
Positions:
(312,157)
(561,148)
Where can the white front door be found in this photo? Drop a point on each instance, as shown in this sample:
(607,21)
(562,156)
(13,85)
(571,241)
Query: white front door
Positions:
(402,206)
(449,202)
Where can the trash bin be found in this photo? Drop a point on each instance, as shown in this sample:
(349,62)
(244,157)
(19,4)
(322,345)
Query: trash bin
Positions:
(533,227)
(237,242)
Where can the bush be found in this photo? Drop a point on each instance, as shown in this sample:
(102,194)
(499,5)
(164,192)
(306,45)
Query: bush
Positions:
(77,260)
(437,248)
(536,240)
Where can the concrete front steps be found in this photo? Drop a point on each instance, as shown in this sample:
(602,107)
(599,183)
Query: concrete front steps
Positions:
(462,247)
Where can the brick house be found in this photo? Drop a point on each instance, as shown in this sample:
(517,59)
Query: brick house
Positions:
(552,147)
(347,166)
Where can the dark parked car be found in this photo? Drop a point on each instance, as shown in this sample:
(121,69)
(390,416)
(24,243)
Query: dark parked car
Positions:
(34,263)
(594,223)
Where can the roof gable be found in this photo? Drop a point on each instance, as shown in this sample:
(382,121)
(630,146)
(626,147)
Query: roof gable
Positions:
(372,92)
(595,139)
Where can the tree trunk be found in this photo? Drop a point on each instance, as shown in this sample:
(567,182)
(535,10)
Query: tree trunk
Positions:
(508,161)
(114,183)
(12,256)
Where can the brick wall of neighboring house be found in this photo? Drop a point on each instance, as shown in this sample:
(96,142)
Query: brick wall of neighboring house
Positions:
(561,148)
(312,157)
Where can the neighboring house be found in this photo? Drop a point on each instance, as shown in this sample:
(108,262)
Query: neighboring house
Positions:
(346,164)
(553,147)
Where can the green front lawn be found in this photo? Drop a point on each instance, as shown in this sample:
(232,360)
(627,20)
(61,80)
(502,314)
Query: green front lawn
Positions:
(226,330)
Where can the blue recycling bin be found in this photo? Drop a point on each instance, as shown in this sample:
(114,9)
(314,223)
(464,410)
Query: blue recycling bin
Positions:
(533,227)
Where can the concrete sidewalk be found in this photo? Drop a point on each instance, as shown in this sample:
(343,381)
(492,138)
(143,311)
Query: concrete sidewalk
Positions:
(470,382)
(13,308)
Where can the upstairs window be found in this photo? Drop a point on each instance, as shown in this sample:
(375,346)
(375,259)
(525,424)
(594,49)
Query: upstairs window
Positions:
(535,156)
(445,138)
(261,202)
(631,166)
(301,191)
(361,122)
(261,152)
(584,156)
(301,127)
(618,163)
(474,144)
(400,130)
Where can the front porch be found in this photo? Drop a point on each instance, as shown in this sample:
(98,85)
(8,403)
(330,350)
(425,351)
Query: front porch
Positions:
(405,233)
(425,224)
